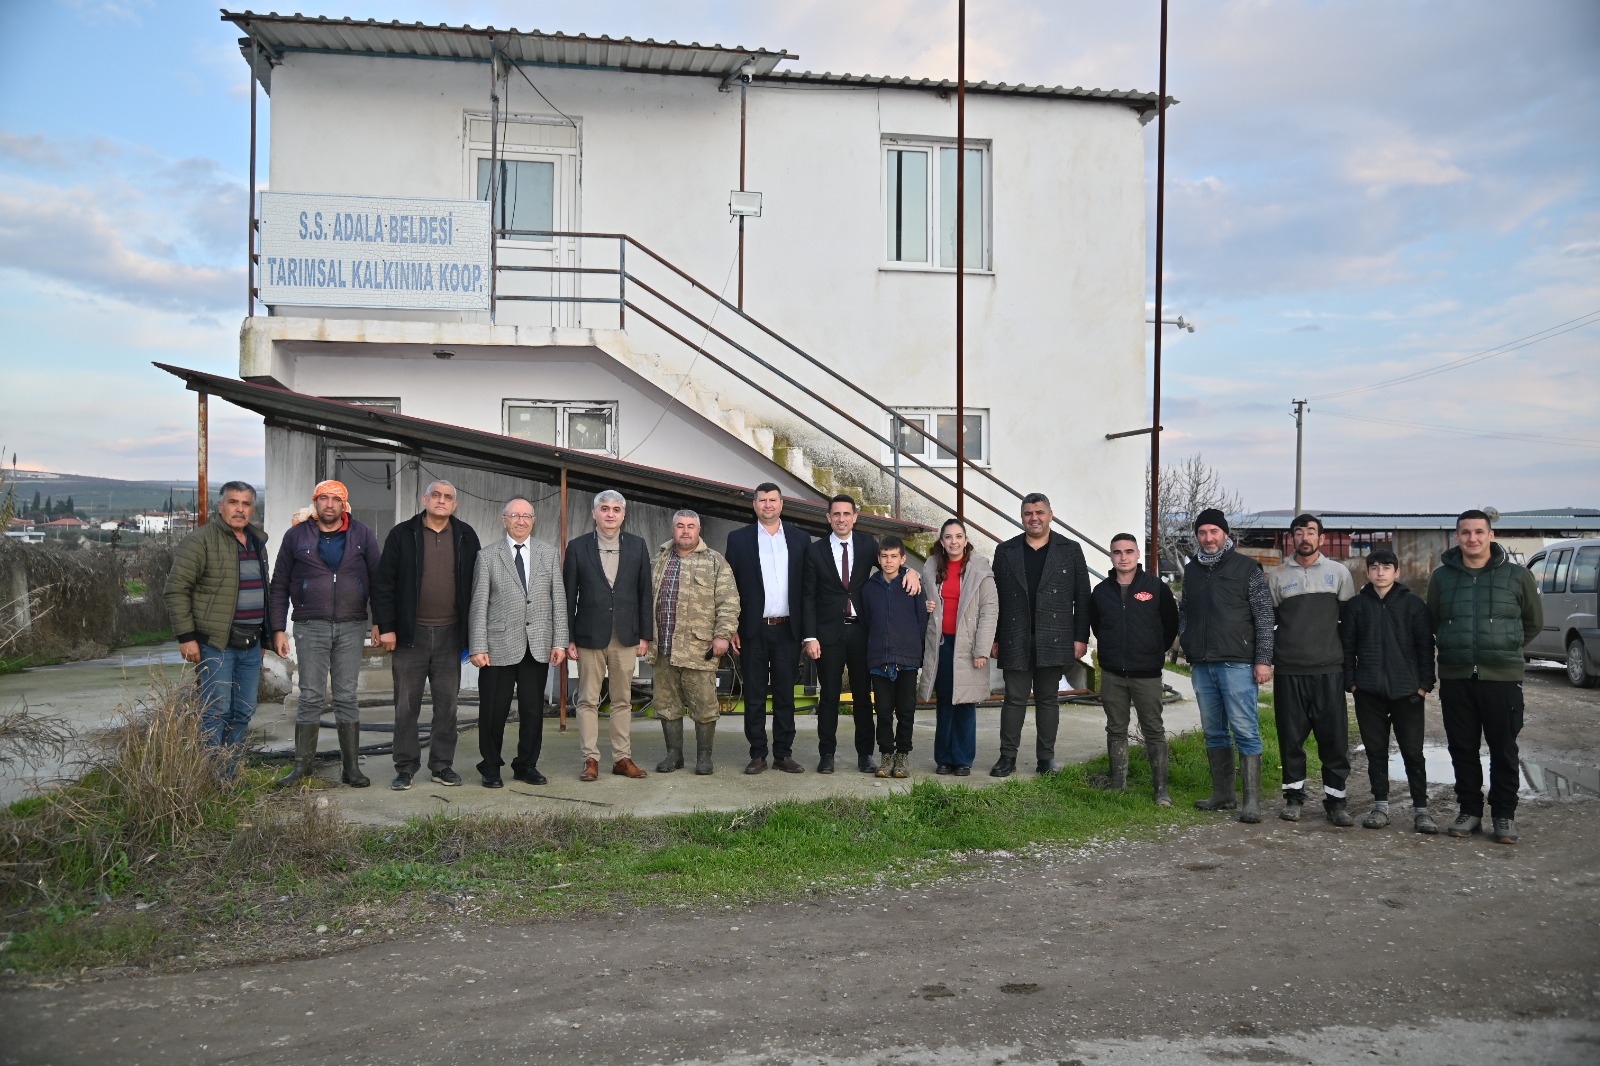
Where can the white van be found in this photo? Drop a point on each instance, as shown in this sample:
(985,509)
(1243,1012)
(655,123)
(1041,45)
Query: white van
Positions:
(1568,573)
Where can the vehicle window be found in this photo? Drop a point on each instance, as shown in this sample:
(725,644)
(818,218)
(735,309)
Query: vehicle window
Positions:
(1555,573)
(1536,566)
(1586,570)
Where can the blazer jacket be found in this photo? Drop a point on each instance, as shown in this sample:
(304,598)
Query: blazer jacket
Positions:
(744,555)
(505,621)
(598,608)
(1043,636)
(822,595)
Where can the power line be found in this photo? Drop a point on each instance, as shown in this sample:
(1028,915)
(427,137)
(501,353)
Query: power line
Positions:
(1534,438)
(1477,357)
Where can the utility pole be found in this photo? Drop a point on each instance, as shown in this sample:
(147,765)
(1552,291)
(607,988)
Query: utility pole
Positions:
(961,259)
(1299,451)
(1153,541)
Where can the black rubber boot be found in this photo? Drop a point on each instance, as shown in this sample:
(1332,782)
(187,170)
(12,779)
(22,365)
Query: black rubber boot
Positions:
(1221,798)
(350,752)
(1294,802)
(305,755)
(672,729)
(705,736)
(1117,748)
(1251,811)
(1158,772)
(1338,813)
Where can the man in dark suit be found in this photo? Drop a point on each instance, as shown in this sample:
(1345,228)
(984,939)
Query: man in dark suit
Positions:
(1043,582)
(768,559)
(836,570)
(607,577)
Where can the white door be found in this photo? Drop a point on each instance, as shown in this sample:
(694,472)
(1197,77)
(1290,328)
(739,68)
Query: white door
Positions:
(534,199)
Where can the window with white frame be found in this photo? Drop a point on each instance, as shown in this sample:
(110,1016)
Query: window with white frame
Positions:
(920,204)
(582,425)
(909,424)
(526,193)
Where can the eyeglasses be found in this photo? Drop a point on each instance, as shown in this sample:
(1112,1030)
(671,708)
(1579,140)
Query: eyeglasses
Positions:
(520,517)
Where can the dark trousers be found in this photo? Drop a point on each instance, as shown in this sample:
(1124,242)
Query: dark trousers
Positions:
(773,652)
(838,657)
(434,659)
(1045,684)
(1474,712)
(1312,704)
(1375,716)
(955,725)
(896,705)
(496,685)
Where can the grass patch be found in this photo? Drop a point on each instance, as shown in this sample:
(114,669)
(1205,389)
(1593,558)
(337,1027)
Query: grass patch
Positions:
(134,587)
(146,636)
(15,664)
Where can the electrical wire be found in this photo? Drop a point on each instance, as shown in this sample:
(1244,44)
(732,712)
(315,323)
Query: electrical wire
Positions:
(518,68)
(1533,438)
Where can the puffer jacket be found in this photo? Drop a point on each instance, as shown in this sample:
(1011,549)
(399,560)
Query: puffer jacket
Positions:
(1388,643)
(1482,619)
(202,587)
(320,594)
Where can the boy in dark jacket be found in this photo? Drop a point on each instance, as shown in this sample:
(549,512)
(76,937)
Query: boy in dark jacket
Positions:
(1388,664)
(895,624)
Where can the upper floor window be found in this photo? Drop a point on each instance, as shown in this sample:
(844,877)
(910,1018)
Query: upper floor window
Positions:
(920,204)
(582,425)
(527,193)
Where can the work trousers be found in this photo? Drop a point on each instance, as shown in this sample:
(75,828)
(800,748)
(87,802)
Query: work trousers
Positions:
(1045,684)
(1312,704)
(496,685)
(1474,712)
(681,691)
(1375,717)
(850,654)
(614,662)
(434,660)
(328,651)
(895,701)
(771,654)
(1119,694)
(955,725)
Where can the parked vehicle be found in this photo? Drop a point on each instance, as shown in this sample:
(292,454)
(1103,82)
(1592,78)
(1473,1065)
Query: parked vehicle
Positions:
(1568,573)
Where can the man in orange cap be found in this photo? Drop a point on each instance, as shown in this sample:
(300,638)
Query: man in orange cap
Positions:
(326,567)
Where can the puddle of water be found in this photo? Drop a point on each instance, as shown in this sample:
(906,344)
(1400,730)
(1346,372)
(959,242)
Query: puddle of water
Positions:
(1540,776)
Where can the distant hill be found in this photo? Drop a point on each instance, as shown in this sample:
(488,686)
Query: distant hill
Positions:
(102,497)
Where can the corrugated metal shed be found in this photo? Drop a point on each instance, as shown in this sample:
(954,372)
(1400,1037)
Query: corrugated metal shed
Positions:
(1548,523)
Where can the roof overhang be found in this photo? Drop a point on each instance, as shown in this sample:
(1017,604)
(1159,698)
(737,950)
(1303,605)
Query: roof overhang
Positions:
(369,427)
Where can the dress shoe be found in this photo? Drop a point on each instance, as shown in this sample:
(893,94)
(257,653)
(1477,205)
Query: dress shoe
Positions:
(944,769)
(591,770)
(531,777)
(446,776)
(962,771)
(867,765)
(825,764)
(1005,766)
(788,765)
(492,782)
(756,765)
(1046,766)
(627,768)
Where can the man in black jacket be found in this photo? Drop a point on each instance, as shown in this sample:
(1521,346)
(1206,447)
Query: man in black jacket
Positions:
(1388,664)
(607,576)
(419,605)
(1135,620)
(1043,584)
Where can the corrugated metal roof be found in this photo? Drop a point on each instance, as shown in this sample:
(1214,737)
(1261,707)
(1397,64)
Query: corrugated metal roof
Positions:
(1526,522)
(1137,100)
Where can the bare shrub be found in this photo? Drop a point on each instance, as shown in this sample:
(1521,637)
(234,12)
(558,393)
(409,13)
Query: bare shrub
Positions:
(28,737)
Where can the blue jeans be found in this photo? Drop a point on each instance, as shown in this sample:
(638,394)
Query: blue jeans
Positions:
(230,681)
(1227,694)
(955,725)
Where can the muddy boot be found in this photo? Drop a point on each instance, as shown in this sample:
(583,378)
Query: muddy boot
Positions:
(672,729)
(1158,772)
(1294,803)
(305,755)
(1338,813)
(350,752)
(1117,748)
(1221,798)
(705,735)
(1251,811)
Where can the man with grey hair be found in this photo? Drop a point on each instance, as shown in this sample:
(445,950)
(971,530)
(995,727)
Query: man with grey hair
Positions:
(419,604)
(607,576)
(696,619)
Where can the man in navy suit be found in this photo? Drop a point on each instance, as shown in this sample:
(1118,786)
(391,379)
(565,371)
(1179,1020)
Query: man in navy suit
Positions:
(768,560)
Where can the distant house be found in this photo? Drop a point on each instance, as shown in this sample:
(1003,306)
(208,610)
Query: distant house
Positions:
(22,529)
(153,523)
(69,522)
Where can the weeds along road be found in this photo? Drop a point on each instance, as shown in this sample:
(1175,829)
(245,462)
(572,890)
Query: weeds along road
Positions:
(1268,943)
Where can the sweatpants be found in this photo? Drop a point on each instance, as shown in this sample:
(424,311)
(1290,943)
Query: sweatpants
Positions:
(1307,705)
(1475,712)
(1375,716)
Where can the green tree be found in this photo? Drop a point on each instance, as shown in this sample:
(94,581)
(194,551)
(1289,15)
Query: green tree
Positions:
(36,501)
(8,493)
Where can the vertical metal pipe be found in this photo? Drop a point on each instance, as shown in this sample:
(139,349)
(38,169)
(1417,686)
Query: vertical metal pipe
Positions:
(1299,452)
(494,178)
(622,283)
(250,231)
(744,90)
(202,464)
(562,551)
(894,442)
(961,258)
(1154,545)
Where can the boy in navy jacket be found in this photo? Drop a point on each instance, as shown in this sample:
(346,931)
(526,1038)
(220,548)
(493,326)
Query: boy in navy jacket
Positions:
(895,623)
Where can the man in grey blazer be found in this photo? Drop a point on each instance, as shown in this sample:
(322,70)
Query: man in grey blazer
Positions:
(607,576)
(516,630)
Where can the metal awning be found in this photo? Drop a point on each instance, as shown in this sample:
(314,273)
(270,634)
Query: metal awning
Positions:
(370,427)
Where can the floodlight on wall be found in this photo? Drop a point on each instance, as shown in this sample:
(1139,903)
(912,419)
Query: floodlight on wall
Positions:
(744,204)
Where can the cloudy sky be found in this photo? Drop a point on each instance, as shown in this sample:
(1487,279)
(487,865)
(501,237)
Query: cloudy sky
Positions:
(1390,209)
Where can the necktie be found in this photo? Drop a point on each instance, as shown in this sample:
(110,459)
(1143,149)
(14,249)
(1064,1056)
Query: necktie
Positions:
(522,570)
(844,578)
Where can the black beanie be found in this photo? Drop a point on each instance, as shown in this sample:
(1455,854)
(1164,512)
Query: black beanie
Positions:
(1211,517)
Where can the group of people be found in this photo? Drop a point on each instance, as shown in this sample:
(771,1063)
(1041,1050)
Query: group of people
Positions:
(895,634)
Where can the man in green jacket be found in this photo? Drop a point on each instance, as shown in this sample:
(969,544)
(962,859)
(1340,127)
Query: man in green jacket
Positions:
(1484,609)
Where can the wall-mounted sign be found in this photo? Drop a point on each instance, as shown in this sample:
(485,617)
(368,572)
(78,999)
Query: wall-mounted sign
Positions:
(374,251)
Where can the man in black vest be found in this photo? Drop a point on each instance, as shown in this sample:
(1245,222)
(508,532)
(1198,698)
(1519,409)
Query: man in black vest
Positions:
(1043,584)
(1135,621)
(1225,626)
(768,559)
(607,576)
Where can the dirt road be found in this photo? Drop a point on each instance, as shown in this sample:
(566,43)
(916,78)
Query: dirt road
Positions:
(1269,943)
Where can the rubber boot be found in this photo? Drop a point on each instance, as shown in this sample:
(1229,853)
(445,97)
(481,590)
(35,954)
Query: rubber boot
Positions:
(672,729)
(1221,798)
(350,752)
(1251,811)
(1158,772)
(1117,748)
(305,755)
(705,735)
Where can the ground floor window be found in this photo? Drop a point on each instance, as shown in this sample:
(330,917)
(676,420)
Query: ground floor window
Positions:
(582,425)
(910,424)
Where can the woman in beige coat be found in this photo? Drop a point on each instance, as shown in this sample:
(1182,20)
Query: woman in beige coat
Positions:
(963,608)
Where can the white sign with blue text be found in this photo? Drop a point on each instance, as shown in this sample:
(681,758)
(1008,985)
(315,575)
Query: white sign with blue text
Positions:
(374,251)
